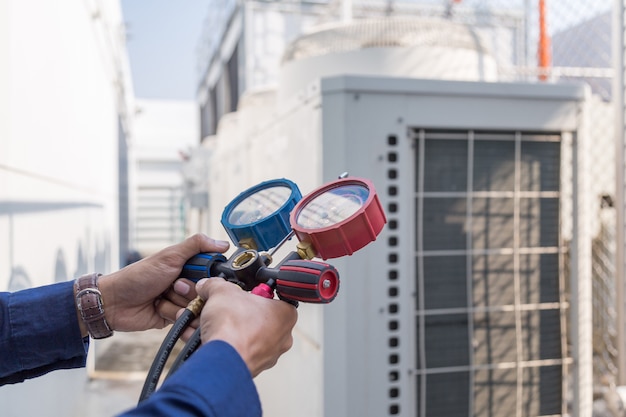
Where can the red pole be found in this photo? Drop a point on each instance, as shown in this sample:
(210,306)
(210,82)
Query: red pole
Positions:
(544,53)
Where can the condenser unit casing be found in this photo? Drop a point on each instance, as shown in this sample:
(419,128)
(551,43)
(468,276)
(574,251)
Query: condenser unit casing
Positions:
(472,301)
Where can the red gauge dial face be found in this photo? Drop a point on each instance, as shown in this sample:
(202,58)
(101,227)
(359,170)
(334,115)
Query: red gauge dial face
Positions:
(339,218)
(332,206)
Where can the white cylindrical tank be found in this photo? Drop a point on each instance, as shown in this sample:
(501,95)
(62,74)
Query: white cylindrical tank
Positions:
(395,47)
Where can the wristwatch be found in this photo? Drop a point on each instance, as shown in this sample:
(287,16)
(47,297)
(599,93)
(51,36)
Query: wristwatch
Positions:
(90,306)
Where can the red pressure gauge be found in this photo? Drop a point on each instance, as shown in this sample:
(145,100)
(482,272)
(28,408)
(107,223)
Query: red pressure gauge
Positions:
(339,218)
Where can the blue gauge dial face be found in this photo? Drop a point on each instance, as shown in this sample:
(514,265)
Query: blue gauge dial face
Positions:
(332,206)
(259,205)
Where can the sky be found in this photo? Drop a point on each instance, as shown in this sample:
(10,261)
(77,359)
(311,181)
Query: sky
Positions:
(162,36)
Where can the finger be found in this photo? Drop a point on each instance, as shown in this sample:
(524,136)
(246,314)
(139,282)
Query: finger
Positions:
(194,323)
(181,292)
(201,243)
(168,310)
(207,286)
(188,332)
(175,299)
(186,288)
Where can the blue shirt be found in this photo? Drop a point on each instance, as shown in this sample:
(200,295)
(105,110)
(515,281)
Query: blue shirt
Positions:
(39,333)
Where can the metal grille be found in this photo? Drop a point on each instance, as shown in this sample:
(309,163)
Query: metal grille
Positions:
(490,307)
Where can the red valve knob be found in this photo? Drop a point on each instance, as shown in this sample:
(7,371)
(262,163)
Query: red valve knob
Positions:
(307,281)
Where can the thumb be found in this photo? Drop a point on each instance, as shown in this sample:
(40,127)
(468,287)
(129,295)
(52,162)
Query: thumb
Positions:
(202,288)
(201,243)
(207,286)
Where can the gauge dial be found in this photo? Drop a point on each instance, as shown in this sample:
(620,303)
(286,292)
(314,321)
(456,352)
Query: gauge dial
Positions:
(259,205)
(339,218)
(259,216)
(332,206)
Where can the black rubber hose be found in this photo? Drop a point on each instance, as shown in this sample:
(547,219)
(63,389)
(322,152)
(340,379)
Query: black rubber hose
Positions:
(192,345)
(152,379)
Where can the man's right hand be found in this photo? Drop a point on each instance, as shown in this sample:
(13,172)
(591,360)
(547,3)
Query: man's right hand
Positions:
(258,328)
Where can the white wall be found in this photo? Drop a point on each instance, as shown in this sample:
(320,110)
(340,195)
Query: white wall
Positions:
(64,83)
(59,137)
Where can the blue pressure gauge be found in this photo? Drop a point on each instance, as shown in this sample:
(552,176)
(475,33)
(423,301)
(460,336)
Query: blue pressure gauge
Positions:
(261,213)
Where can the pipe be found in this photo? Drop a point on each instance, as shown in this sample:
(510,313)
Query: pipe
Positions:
(544,52)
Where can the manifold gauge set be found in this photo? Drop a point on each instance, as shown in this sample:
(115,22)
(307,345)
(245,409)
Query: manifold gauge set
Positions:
(334,220)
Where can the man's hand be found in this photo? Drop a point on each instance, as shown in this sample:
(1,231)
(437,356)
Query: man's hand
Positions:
(146,294)
(258,328)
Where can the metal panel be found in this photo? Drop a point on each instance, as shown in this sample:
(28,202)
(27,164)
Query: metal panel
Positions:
(491,218)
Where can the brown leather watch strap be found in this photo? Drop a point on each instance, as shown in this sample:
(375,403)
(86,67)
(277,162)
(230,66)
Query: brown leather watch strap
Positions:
(90,306)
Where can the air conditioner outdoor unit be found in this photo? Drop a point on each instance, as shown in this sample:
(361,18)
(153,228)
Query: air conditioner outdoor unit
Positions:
(475,299)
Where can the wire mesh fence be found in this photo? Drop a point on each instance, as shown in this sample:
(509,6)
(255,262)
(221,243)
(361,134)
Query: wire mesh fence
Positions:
(569,42)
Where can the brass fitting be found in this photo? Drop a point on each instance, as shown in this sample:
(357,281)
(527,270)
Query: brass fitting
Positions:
(305,250)
(195,306)
(247,243)
(266,257)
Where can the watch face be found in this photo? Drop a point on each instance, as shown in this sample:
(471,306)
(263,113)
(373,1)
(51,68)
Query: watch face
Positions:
(259,205)
(332,206)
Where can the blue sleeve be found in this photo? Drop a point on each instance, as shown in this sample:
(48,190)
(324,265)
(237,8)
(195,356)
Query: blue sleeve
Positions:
(213,382)
(39,332)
